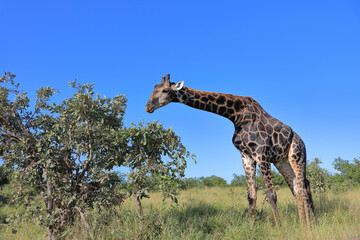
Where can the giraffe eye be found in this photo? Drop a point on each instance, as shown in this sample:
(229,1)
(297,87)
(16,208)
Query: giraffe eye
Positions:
(166,90)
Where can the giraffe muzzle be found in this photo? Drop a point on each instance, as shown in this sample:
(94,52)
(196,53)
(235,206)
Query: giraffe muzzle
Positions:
(149,109)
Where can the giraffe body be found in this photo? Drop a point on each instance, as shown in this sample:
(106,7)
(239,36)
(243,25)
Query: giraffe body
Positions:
(260,138)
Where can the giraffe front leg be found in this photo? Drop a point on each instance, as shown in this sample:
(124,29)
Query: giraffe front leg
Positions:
(250,172)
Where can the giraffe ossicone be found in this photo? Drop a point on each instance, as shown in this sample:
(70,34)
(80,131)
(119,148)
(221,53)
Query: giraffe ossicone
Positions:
(260,138)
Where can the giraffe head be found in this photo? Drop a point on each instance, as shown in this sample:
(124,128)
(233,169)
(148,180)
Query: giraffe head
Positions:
(163,94)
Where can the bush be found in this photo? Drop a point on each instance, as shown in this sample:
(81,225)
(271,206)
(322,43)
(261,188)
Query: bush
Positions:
(319,178)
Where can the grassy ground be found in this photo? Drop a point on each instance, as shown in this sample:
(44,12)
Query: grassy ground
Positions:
(213,213)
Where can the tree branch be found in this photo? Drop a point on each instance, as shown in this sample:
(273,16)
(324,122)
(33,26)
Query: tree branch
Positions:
(83,218)
(10,136)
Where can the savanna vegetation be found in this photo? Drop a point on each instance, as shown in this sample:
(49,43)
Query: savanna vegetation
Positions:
(60,179)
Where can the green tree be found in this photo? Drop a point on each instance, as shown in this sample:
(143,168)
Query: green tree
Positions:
(187,183)
(238,180)
(319,177)
(348,175)
(148,144)
(4,176)
(212,181)
(348,170)
(277,178)
(64,151)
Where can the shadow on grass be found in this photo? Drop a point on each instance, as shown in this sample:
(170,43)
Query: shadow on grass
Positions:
(207,219)
(198,216)
(198,209)
(325,205)
(3,201)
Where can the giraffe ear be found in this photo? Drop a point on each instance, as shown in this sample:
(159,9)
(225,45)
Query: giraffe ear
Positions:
(179,86)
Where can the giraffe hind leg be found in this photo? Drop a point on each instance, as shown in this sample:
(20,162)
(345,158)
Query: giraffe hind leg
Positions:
(306,204)
(297,160)
(309,197)
(287,172)
(265,169)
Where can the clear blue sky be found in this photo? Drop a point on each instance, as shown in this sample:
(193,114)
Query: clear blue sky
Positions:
(299,59)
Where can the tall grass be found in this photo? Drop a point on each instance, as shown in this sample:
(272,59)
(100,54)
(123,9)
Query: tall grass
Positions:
(214,213)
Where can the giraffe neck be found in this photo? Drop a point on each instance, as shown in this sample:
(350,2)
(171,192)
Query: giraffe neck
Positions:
(225,105)
(239,110)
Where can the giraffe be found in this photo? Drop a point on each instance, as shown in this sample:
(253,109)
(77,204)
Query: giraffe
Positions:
(260,138)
